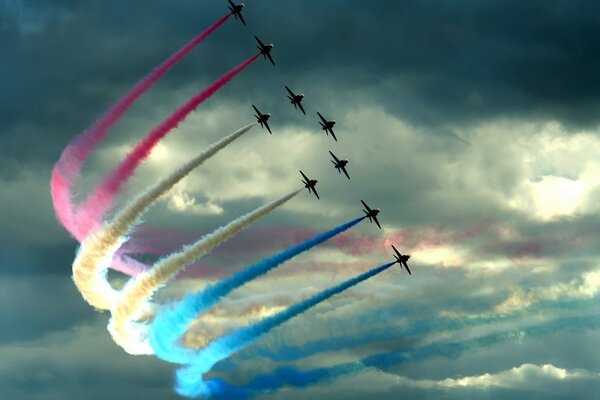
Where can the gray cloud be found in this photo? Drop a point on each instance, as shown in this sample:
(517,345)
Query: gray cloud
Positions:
(33,307)
(430,63)
(80,362)
(404,80)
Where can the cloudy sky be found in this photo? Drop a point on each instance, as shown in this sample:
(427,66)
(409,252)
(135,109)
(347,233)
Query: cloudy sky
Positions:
(473,125)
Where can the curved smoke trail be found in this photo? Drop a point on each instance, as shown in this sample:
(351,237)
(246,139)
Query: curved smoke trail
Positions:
(132,336)
(189,379)
(95,254)
(69,165)
(102,196)
(170,325)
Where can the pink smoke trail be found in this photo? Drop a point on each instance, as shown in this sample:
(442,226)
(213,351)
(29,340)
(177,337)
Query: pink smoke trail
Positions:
(69,165)
(101,198)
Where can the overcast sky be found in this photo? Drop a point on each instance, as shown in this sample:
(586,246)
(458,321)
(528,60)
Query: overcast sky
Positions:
(473,125)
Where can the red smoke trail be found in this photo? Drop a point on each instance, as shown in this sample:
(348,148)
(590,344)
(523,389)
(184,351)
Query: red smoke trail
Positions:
(101,198)
(69,165)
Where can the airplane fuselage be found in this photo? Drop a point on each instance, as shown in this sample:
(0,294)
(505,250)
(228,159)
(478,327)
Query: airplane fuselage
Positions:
(267,48)
(311,183)
(328,125)
(263,118)
(402,259)
(374,212)
(341,164)
(297,99)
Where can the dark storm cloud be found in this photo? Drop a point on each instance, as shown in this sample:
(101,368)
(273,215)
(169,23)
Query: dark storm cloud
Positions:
(21,257)
(33,307)
(80,362)
(430,62)
(438,65)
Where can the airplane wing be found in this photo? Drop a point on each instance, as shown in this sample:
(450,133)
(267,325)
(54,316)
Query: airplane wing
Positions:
(332,134)
(396,250)
(241,18)
(290,91)
(267,126)
(231,3)
(366,206)
(259,42)
(345,172)
(270,59)
(406,266)
(315,192)
(301,108)
(322,119)
(304,176)
(377,222)
(334,157)
(256,109)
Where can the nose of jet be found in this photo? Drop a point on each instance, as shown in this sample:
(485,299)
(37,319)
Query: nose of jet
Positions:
(301,95)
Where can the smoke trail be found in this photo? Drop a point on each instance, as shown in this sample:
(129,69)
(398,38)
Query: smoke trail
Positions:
(387,332)
(171,324)
(69,165)
(291,376)
(102,196)
(189,379)
(140,289)
(97,250)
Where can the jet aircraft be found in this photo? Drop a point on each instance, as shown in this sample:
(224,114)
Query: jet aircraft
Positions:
(296,99)
(401,259)
(236,10)
(310,184)
(340,165)
(371,213)
(265,49)
(262,118)
(327,125)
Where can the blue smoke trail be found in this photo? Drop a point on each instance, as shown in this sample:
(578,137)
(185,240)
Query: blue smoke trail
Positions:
(290,376)
(376,334)
(189,379)
(172,323)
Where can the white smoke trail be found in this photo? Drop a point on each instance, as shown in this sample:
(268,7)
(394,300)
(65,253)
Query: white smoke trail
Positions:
(132,336)
(97,250)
